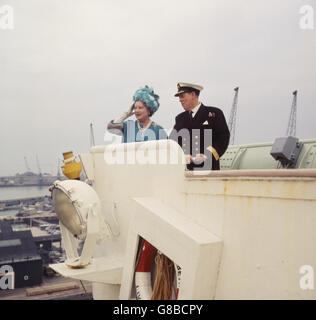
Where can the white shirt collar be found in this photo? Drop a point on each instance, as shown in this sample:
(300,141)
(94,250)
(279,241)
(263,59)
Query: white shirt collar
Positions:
(195,110)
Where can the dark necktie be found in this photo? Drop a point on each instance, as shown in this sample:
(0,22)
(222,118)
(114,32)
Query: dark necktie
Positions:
(191,116)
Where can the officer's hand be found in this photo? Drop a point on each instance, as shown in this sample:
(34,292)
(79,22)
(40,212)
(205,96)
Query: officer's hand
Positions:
(188,158)
(199,158)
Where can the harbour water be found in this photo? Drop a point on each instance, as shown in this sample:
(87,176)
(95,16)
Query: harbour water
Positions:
(11,193)
(8,213)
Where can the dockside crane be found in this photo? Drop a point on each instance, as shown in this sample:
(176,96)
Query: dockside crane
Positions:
(58,170)
(28,169)
(232,117)
(40,176)
(291,127)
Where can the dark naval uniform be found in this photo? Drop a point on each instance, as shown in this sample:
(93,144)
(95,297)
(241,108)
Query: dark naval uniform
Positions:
(206,133)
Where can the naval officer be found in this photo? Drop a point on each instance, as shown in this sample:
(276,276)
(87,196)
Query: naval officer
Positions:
(201,131)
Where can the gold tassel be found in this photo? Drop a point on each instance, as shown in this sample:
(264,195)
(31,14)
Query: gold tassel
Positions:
(164,282)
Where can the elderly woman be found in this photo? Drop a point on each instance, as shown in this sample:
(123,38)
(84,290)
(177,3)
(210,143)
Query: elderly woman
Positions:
(145,104)
(143,129)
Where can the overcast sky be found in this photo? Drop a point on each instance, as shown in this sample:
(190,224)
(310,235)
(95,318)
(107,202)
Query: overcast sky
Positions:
(68,63)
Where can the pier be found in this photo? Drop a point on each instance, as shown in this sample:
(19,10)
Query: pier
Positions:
(16,202)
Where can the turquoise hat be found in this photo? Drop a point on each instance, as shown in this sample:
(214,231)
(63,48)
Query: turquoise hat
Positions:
(147,96)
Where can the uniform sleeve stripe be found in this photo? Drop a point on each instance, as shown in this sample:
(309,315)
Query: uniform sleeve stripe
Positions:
(214,152)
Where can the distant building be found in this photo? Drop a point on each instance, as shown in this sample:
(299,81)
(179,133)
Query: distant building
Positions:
(18,250)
